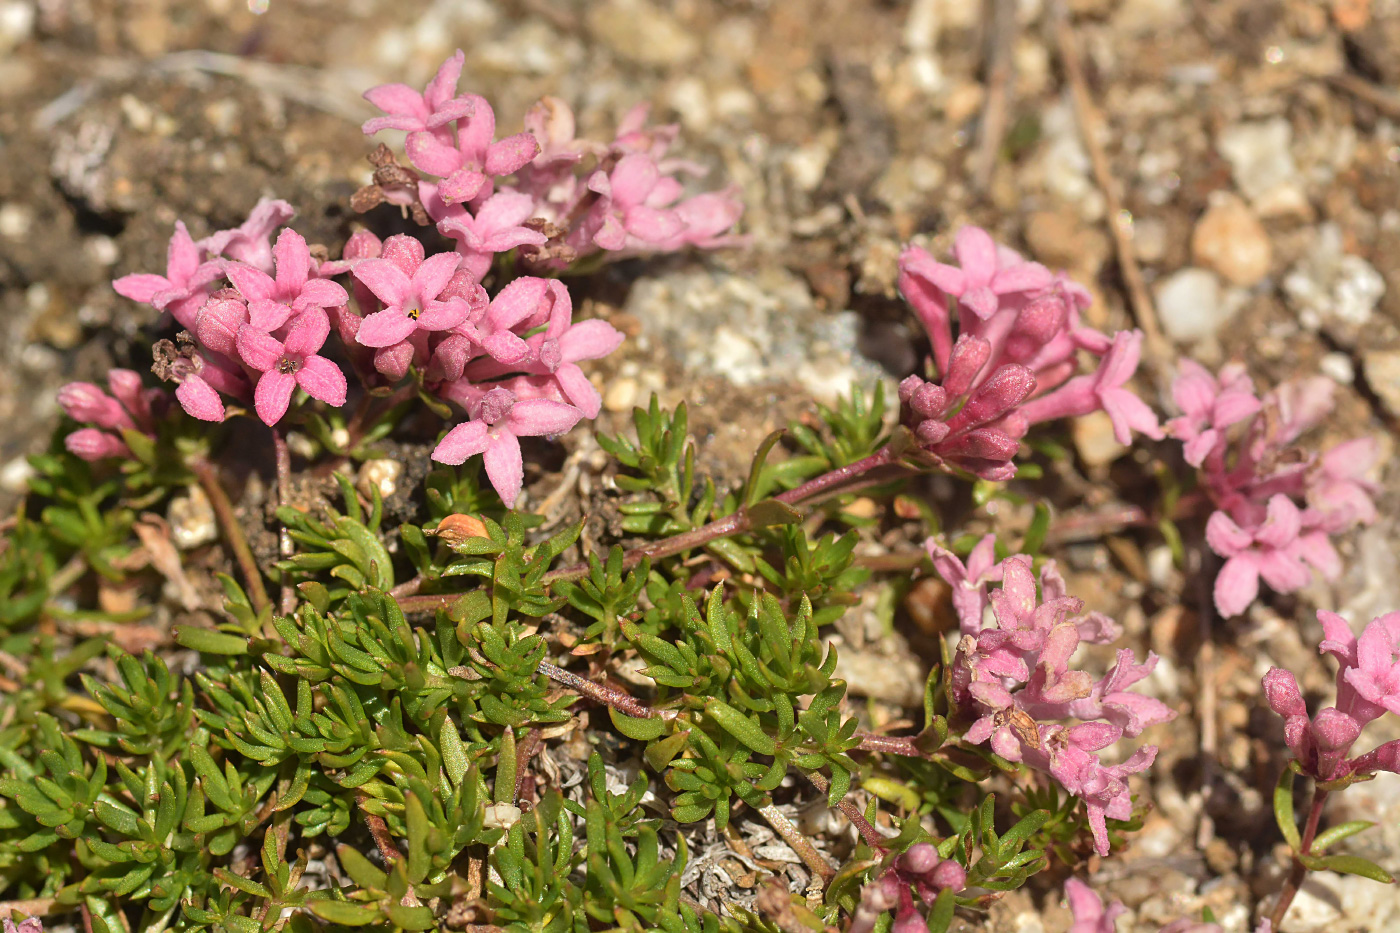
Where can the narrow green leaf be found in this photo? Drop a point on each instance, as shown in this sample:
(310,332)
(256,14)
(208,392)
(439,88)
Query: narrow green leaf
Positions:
(208,641)
(1355,865)
(1335,834)
(636,727)
(1283,809)
(740,726)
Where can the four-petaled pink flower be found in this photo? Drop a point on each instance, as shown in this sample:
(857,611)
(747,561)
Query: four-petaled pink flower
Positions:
(514,306)
(969,582)
(498,421)
(1103,390)
(498,227)
(272,301)
(634,202)
(1276,550)
(984,272)
(411,111)
(409,286)
(468,166)
(183,288)
(294,362)
(1209,406)
(1376,674)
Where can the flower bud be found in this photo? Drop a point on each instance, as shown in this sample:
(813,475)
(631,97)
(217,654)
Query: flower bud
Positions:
(920,858)
(909,921)
(1282,693)
(948,875)
(92,444)
(85,402)
(454,529)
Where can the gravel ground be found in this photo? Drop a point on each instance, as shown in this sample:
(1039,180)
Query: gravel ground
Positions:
(1253,145)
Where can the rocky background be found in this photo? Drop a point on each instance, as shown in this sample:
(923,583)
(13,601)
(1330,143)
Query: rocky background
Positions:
(1252,153)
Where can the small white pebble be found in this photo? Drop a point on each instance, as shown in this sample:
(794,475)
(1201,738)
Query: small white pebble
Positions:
(14,476)
(381,475)
(15,221)
(192,521)
(1338,367)
(501,816)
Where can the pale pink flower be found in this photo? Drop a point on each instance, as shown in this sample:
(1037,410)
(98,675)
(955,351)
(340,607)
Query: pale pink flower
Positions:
(92,444)
(409,286)
(468,166)
(1103,390)
(184,286)
(1277,550)
(1209,406)
(498,421)
(497,227)
(634,203)
(250,242)
(272,301)
(295,362)
(983,274)
(408,110)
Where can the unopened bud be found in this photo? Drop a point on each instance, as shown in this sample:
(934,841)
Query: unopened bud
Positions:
(454,529)
(919,858)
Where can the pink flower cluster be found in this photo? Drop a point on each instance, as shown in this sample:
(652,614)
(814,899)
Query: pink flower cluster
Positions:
(128,408)
(1013,687)
(1277,504)
(1015,358)
(1091,916)
(918,870)
(570,198)
(1368,685)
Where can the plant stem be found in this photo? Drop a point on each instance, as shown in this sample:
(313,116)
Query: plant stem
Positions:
(889,744)
(208,478)
(379,831)
(599,693)
(737,523)
(871,836)
(799,843)
(33,907)
(1299,870)
(283,457)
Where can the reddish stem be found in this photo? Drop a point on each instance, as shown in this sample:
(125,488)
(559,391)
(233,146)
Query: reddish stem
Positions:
(208,478)
(283,456)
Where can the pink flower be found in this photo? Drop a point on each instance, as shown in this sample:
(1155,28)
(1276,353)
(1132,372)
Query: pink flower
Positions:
(983,274)
(1376,675)
(1088,910)
(1276,550)
(633,204)
(271,301)
(199,378)
(1339,492)
(969,582)
(1209,406)
(516,306)
(248,243)
(496,228)
(286,365)
(409,286)
(1103,390)
(184,286)
(411,111)
(498,421)
(467,167)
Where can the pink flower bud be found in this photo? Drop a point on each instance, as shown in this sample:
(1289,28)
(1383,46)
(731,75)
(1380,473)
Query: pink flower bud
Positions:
(919,858)
(929,401)
(969,355)
(92,444)
(85,402)
(362,244)
(909,921)
(126,386)
(1335,730)
(948,875)
(930,432)
(1282,693)
(1006,389)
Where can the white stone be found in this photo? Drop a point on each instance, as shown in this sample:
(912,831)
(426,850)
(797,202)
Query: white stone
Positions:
(1190,305)
(1338,367)
(14,476)
(192,521)
(1332,287)
(381,475)
(15,221)
(16,23)
(1261,162)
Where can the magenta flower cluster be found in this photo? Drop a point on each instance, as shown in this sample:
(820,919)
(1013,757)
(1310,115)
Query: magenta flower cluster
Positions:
(918,870)
(1368,686)
(257,309)
(129,407)
(1013,687)
(570,197)
(1277,504)
(1014,360)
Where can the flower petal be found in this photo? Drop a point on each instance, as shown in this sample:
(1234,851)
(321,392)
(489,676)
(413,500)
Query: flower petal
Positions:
(385,328)
(540,416)
(322,379)
(272,395)
(258,348)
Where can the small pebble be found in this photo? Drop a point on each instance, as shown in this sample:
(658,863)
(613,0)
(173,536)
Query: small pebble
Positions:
(621,394)
(192,521)
(1190,305)
(1093,438)
(1338,367)
(380,475)
(1229,239)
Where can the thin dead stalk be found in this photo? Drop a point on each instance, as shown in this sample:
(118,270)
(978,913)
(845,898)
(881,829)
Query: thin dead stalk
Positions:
(1119,222)
(799,843)
(208,478)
